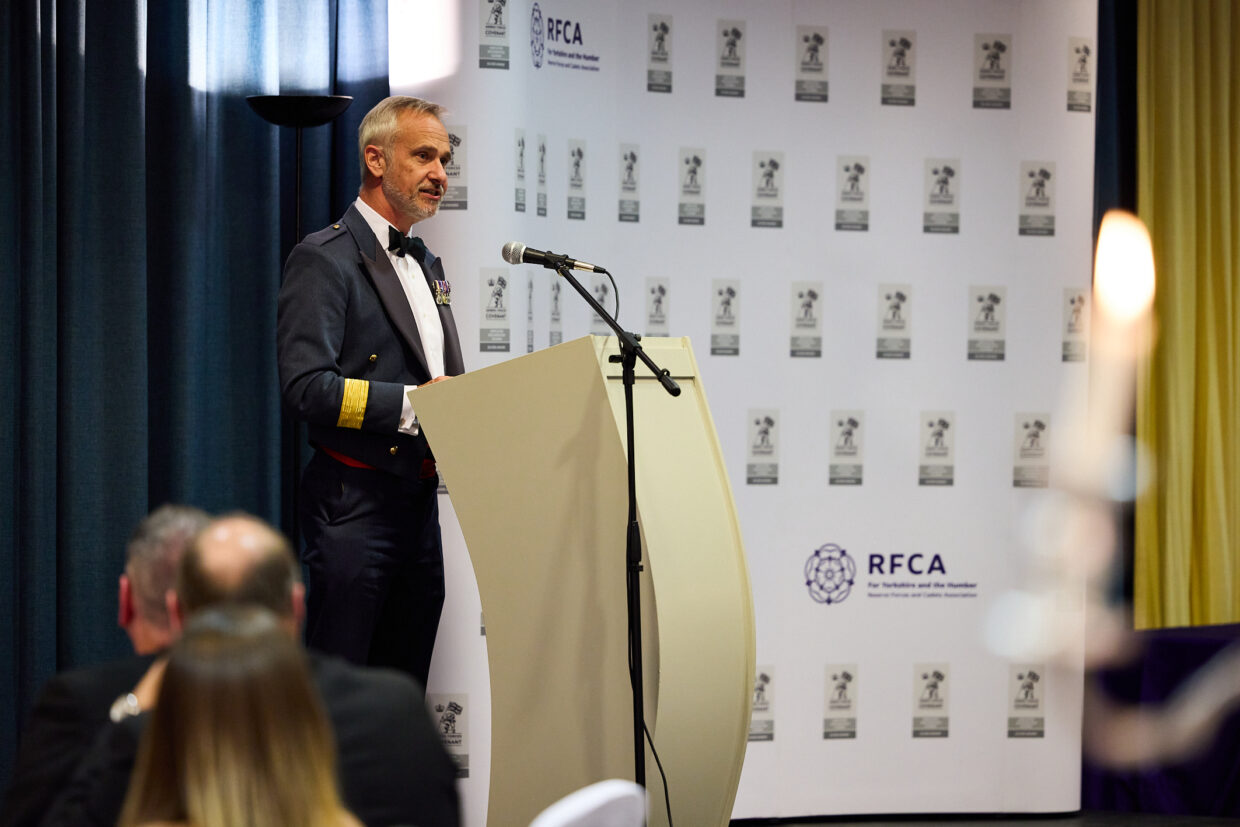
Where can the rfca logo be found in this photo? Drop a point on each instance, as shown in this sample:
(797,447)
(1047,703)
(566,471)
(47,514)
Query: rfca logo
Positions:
(554,29)
(536,36)
(564,31)
(912,563)
(829,574)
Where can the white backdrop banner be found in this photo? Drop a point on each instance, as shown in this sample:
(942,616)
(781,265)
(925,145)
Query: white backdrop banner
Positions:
(808,158)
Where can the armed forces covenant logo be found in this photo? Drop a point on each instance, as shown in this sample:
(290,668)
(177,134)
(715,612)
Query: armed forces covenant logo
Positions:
(536,36)
(829,574)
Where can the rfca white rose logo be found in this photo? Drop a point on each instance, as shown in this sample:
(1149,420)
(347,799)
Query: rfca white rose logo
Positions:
(536,36)
(829,574)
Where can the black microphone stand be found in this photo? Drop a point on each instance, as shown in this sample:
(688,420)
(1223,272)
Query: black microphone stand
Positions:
(630,352)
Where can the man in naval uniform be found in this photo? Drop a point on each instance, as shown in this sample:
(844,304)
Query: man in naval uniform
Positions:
(365,319)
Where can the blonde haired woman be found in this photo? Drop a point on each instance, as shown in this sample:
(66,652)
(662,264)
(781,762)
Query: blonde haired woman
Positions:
(238,737)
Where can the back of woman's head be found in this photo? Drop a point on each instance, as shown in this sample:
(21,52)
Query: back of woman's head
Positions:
(238,735)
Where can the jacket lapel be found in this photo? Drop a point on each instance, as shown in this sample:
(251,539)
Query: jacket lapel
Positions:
(386,283)
(453,362)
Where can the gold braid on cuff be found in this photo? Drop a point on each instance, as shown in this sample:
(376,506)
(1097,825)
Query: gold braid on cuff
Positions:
(353,406)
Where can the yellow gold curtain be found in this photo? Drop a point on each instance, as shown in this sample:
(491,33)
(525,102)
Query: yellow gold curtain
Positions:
(1188,402)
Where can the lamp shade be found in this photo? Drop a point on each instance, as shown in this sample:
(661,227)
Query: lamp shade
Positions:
(299,110)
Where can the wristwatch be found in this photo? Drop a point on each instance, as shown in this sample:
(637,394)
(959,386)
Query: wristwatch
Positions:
(126,706)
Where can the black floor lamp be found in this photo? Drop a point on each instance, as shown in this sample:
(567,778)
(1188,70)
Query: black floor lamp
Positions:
(299,112)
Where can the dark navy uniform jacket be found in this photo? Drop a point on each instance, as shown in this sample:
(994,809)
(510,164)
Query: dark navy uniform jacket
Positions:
(347,345)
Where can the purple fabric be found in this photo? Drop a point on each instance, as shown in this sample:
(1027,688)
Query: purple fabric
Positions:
(1207,783)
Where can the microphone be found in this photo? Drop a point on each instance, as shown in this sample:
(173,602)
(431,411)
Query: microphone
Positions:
(517,253)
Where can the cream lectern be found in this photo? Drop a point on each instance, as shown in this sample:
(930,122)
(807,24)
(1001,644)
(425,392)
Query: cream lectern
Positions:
(533,454)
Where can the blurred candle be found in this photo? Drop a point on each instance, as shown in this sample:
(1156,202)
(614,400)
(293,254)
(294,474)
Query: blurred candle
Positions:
(1121,332)
(1123,270)
(1074,537)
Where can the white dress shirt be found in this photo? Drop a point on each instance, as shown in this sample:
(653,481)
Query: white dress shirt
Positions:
(421,302)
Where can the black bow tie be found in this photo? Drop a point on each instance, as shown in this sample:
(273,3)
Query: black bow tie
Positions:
(401,244)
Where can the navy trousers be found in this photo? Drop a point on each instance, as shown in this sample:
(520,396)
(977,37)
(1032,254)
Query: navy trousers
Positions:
(373,559)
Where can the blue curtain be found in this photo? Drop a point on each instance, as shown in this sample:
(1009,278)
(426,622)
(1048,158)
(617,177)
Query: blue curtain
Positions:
(144,216)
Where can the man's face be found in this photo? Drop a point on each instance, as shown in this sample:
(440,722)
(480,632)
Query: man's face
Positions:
(414,179)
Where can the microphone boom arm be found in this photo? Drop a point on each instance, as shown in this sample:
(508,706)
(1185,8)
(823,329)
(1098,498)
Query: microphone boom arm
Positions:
(627,340)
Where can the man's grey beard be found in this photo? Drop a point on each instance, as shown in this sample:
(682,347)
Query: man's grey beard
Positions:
(408,205)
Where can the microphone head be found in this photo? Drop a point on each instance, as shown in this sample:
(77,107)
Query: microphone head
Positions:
(513,252)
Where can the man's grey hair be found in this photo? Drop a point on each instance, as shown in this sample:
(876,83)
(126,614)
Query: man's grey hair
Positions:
(154,553)
(381,123)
